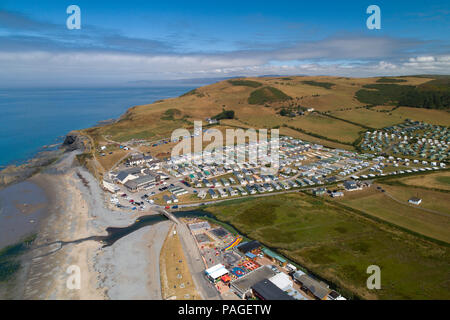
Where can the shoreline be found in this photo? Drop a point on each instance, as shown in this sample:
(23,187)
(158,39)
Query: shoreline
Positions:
(15,173)
(75,212)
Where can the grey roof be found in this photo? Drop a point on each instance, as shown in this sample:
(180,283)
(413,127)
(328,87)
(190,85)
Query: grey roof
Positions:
(247,281)
(315,287)
(268,291)
(124,173)
(134,184)
(249,246)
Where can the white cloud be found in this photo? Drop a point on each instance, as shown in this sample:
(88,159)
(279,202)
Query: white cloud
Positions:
(71,68)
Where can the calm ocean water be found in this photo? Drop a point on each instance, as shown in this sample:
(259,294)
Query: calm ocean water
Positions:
(32,118)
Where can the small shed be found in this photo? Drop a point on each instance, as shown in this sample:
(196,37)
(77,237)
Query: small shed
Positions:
(274,256)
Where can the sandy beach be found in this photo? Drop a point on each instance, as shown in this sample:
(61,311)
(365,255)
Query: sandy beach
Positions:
(129,269)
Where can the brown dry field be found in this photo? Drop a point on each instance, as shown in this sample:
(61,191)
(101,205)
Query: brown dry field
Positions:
(327,127)
(431,199)
(438,117)
(370,118)
(145,121)
(176,279)
(374,119)
(428,181)
(379,205)
(109,160)
(296,134)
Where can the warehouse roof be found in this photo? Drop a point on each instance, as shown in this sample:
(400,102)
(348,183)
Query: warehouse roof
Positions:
(266,290)
(245,282)
(249,246)
(282,281)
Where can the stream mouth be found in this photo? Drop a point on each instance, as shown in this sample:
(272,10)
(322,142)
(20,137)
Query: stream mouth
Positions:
(115,234)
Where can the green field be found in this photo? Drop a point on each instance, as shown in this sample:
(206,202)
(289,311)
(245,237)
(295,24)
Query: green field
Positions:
(245,83)
(338,244)
(326,85)
(267,95)
(390,80)
(434,94)
(444,180)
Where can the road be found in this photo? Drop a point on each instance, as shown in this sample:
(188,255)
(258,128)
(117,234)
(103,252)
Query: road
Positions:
(194,259)
(196,265)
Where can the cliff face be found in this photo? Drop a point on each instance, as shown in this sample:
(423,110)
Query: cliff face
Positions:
(74,141)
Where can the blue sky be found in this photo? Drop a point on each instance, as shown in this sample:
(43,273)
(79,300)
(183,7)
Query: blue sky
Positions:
(125,41)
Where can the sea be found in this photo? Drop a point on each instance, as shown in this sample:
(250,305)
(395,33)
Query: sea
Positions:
(33,118)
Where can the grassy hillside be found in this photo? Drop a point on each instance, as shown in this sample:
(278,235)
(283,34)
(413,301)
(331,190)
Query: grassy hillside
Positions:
(267,95)
(434,94)
(246,83)
(326,85)
(339,244)
(256,103)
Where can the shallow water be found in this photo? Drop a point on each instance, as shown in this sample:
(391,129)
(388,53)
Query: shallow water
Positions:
(22,208)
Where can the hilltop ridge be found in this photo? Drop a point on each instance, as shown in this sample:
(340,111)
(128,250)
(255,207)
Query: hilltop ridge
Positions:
(333,111)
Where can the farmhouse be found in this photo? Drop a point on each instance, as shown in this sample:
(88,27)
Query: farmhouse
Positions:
(336,194)
(351,185)
(415,201)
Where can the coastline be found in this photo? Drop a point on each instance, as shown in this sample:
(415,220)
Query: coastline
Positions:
(73,212)
(76,212)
